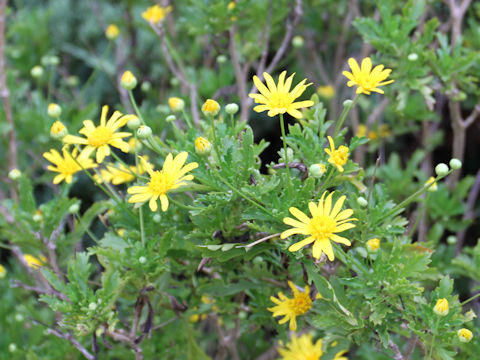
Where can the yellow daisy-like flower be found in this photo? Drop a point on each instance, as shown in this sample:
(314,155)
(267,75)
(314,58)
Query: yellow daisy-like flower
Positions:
(34,262)
(101,137)
(119,173)
(171,177)
(3,271)
(278,99)
(69,164)
(58,130)
(338,157)
(291,308)
(112,32)
(365,78)
(434,186)
(155,14)
(321,227)
(302,348)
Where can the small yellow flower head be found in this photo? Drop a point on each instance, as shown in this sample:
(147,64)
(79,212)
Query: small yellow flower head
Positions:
(172,176)
(58,130)
(176,104)
(14,174)
(361,130)
(291,308)
(38,216)
(372,135)
(373,244)
(128,80)
(156,13)
(54,110)
(210,107)
(464,335)
(68,164)
(365,78)
(112,32)
(34,262)
(135,145)
(3,271)
(277,98)
(231,5)
(434,186)
(326,91)
(101,137)
(202,146)
(321,227)
(317,170)
(207,299)
(338,157)
(441,307)
(194,318)
(301,348)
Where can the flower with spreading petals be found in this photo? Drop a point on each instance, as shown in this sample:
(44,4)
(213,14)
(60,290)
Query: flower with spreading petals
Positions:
(101,137)
(338,157)
(119,173)
(155,14)
(69,164)
(34,262)
(302,348)
(291,308)
(365,78)
(277,98)
(172,176)
(321,227)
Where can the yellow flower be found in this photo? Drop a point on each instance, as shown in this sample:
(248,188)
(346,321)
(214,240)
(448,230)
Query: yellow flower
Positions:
(372,135)
(69,164)
(112,32)
(210,107)
(434,186)
(441,307)
(128,81)
(3,271)
(337,157)
(119,174)
(58,130)
(171,177)
(291,308)
(365,78)
(231,5)
(34,262)
(202,145)
(194,318)
(278,99)
(464,335)
(176,104)
(302,348)
(373,244)
(134,145)
(100,138)
(155,14)
(326,91)
(322,227)
(361,130)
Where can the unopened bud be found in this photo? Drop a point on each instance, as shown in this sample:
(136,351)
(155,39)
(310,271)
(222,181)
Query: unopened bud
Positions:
(298,41)
(170,118)
(36,72)
(73,209)
(441,169)
(221,59)
(144,132)
(112,32)
(14,174)
(455,164)
(133,123)
(317,170)
(373,244)
(441,307)
(210,107)
(128,80)
(142,259)
(146,86)
(451,240)
(413,57)
(347,103)
(362,201)
(231,109)
(92,306)
(12,347)
(58,130)
(202,146)
(176,104)
(157,218)
(464,335)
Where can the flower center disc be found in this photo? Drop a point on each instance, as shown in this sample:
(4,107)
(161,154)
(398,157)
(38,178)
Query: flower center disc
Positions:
(321,227)
(68,167)
(100,136)
(301,304)
(160,183)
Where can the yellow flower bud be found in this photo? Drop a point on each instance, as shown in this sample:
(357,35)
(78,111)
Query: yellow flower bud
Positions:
(156,13)
(210,107)
(14,174)
(128,80)
(231,5)
(3,271)
(432,181)
(58,130)
(373,244)
(176,104)
(54,110)
(464,335)
(202,145)
(194,318)
(326,91)
(112,32)
(441,307)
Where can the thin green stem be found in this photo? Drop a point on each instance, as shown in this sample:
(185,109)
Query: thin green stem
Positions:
(140,210)
(135,107)
(343,116)
(232,120)
(433,338)
(470,299)
(187,119)
(287,166)
(419,218)
(325,183)
(215,143)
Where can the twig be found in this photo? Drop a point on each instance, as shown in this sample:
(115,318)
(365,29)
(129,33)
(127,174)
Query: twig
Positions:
(4,94)
(261,240)
(398,355)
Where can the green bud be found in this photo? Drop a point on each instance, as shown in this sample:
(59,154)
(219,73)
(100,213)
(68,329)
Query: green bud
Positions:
(142,259)
(362,201)
(221,59)
(157,218)
(12,347)
(72,81)
(54,110)
(128,80)
(317,170)
(347,103)
(170,118)
(231,109)
(441,169)
(455,164)
(412,57)
(257,260)
(297,41)
(36,72)
(19,317)
(134,123)
(146,86)
(144,132)
(73,209)
(92,306)
(452,239)
(174,82)
(14,174)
